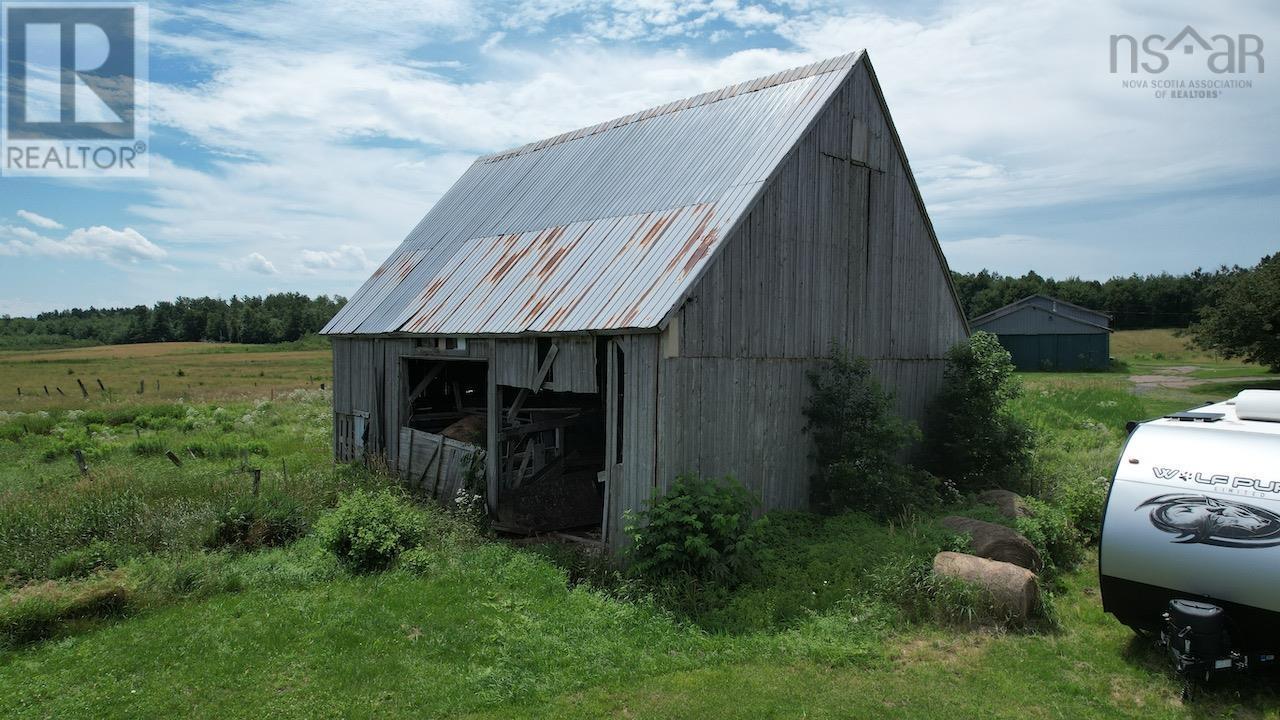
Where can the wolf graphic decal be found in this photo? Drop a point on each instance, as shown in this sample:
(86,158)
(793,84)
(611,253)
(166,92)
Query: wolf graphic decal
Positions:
(1214,521)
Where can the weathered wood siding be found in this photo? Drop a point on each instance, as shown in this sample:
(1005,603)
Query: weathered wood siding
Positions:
(435,464)
(632,485)
(368,382)
(837,251)
(574,367)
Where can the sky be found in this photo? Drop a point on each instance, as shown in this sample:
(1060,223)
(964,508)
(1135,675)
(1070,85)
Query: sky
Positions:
(295,143)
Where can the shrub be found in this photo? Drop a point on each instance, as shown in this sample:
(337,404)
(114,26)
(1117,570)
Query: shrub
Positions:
(1050,529)
(883,492)
(859,442)
(369,530)
(252,523)
(1083,500)
(972,437)
(702,528)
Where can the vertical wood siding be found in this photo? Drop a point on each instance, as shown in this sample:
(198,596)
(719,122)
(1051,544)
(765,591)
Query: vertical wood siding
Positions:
(574,367)
(837,251)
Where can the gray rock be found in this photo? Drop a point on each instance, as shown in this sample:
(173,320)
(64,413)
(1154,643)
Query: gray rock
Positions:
(996,542)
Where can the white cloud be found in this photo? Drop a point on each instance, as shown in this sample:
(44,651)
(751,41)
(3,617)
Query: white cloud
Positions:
(255,263)
(1008,106)
(346,257)
(39,221)
(127,246)
(317,133)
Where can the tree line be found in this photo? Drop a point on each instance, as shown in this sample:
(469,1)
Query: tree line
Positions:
(281,317)
(1133,302)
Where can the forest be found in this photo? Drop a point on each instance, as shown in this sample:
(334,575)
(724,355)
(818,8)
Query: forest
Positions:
(282,317)
(1133,302)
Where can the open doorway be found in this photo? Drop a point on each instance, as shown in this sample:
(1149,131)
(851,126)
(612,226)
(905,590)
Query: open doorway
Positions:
(443,433)
(552,449)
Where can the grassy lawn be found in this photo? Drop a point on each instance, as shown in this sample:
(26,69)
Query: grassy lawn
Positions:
(481,628)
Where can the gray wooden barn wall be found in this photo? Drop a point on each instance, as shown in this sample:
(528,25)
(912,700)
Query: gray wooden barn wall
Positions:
(641,434)
(574,365)
(837,250)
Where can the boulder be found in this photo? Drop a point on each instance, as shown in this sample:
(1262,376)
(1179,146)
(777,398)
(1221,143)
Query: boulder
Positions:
(1012,588)
(995,542)
(1009,504)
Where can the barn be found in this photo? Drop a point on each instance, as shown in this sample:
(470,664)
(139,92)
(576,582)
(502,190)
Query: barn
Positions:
(1044,333)
(580,320)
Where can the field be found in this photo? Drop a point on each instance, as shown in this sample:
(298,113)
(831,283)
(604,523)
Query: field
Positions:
(164,372)
(130,610)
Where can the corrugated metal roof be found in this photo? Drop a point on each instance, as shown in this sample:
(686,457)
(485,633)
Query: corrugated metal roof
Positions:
(603,228)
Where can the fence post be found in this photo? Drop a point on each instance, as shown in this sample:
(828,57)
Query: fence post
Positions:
(173,458)
(257,480)
(84,466)
(84,390)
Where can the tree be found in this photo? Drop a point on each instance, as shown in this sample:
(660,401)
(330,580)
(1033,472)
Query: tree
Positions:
(971,435)
(1243,319)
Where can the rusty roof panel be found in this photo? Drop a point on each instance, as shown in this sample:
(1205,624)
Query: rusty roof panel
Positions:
(601,228)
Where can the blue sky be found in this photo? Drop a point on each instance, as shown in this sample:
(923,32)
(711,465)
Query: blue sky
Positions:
(294,144)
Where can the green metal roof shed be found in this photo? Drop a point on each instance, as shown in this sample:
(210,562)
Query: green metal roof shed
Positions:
(1044,333)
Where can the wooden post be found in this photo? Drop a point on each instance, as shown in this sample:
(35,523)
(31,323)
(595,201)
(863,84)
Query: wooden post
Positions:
(136,432)
(142,386)
(46,389)
(257,481)
(157,384)
(84,390)
(84,466)
(101,387)
(173,458)
(19,392)
(60,391)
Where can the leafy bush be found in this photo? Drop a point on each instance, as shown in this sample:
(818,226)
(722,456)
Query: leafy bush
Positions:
(859,442)
(369,530)
(1083,499)
(972,438)
(701,528)
(1050,529)
(252,523)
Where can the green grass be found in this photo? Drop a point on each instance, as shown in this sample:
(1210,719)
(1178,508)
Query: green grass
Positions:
(144,621)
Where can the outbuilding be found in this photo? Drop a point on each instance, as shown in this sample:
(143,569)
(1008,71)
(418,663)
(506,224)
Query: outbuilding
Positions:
(580,320)
(1044,333)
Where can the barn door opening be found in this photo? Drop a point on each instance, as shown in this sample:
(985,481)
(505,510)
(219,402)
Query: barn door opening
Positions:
(552,446)
(442,440)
